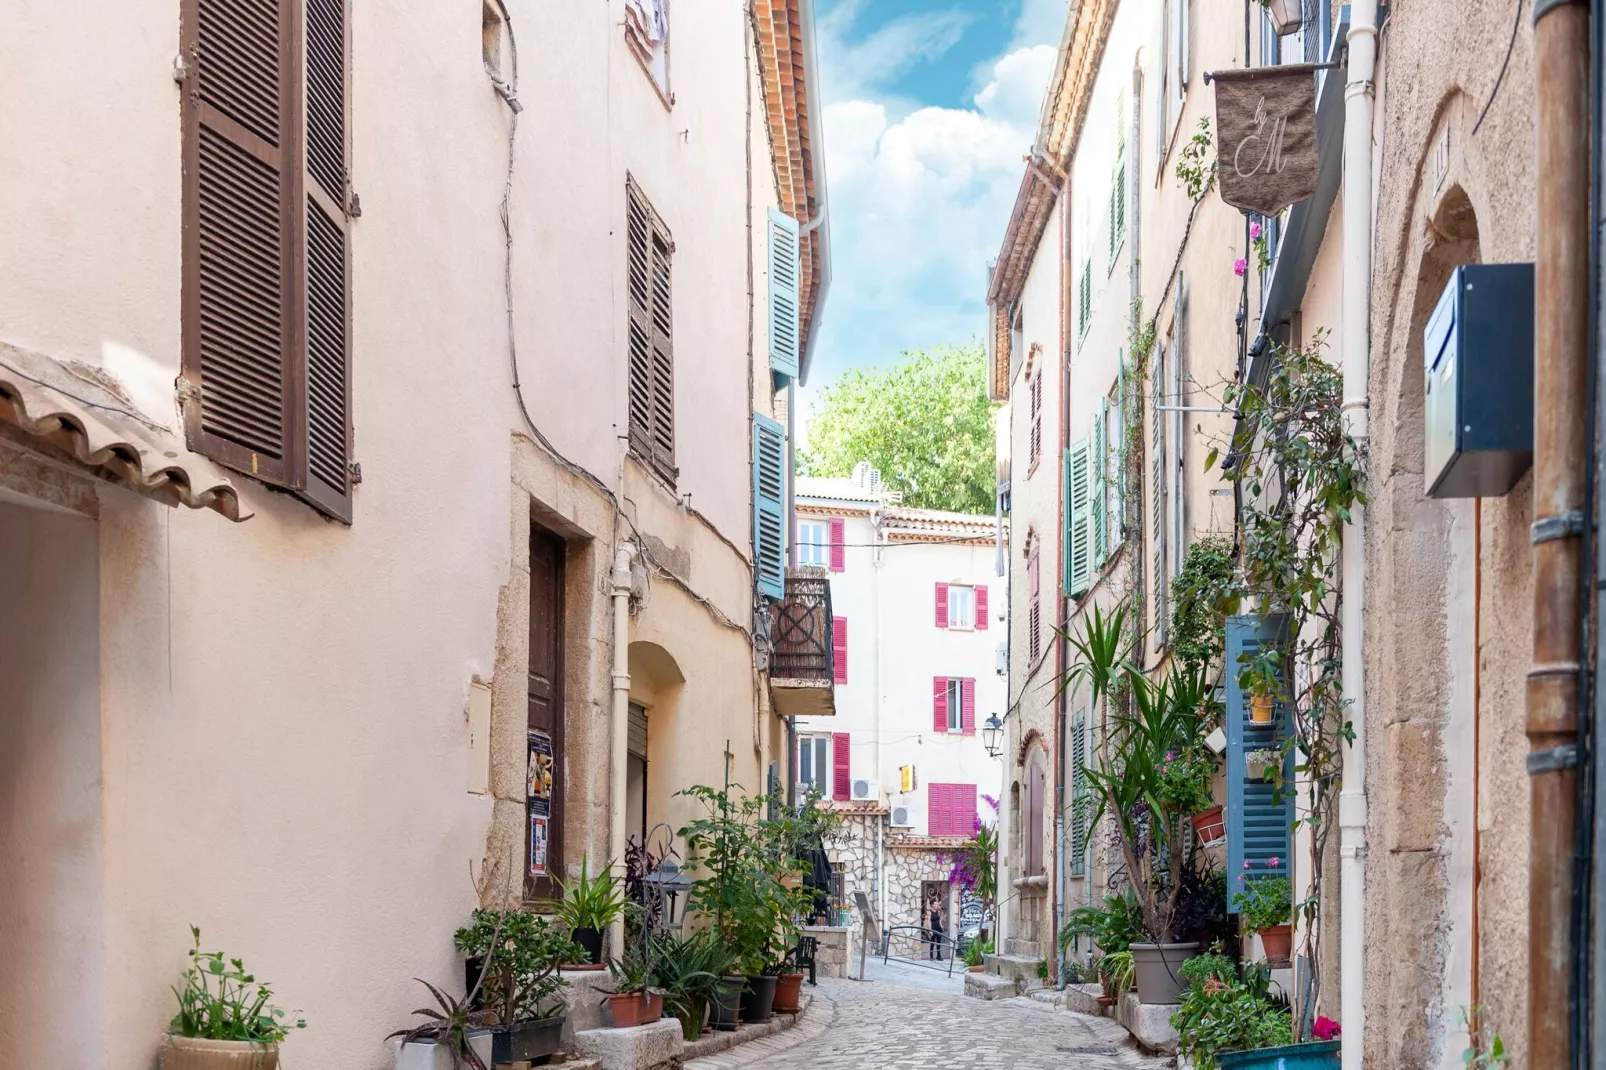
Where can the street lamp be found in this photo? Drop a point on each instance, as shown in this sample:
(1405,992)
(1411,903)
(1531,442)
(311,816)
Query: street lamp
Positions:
(992,736)
(1286,15)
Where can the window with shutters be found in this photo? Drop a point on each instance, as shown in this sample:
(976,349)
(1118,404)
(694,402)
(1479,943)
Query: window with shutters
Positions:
(961,606)
(1084,299)
(1080,801)
(785,329)
(839,648)
(841,767)
(647,34)
(1036,790)
(266,265)
(769,506)
(1118,182)
(1078,547)
(839,541)
(1034,620)
(650,347)
(813,542)
(1036,444)
(1174,73)
(1157,496)
(1114,488)
(814,762)
(950,809)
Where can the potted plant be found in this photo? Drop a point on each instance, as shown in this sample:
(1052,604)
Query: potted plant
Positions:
(1116,973)
(1226,1009)
(454,1035)
(588,906)
(636,1001)
(516,955)
(688,970)
(975,952)
(1259,762)
(1264,906)
(225,1020)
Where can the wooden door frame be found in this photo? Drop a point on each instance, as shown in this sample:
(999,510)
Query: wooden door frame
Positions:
(547,886)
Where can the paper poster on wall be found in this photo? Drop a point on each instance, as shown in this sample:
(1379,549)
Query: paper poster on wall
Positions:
(538,788)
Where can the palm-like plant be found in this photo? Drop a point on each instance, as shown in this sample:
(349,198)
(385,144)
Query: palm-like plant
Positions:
(690,969)
(449,1024)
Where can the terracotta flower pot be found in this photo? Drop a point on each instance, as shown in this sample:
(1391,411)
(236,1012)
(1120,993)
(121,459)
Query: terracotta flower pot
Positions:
(978,969)
(628,1008)
(193,1053)
(1210,827)
(1278,942)
(1261,709)
(788,991)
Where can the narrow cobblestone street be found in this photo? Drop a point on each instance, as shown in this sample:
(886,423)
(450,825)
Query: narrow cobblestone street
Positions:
(884,1026)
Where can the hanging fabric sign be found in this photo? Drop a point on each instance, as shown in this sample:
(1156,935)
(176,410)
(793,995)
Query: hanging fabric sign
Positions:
(1266,136)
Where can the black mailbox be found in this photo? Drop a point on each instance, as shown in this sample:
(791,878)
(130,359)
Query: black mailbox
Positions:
(1478,385)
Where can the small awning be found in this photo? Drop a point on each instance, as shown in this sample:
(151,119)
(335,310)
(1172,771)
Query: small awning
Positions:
(77,413)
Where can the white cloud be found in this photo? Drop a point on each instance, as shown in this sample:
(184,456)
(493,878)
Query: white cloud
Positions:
(853,68)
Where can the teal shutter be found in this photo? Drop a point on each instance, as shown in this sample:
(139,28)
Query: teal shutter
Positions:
(769,506)
(783,312)
(1120,448)
(1079,518)
(1260,818)
(1079,795)
(1099,491)
(1084,298)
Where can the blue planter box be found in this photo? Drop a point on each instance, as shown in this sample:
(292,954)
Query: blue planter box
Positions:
(1323,1055)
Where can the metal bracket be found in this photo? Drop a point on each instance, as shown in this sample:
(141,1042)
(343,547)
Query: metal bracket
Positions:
(1543,7)
(1556,527)
(1553,759)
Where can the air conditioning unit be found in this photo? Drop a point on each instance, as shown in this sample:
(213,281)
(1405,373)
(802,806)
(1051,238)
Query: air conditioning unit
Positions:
(902,818)
(1001,659)
(866,791)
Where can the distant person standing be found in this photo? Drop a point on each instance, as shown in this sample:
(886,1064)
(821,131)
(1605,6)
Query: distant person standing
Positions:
(935,909)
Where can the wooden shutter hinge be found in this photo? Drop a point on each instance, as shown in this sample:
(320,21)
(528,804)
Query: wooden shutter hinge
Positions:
(354,472)
(188,393)
(354,206)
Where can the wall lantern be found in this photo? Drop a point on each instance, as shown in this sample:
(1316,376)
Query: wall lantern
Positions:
(1286,15)
(992,736)
(673,889)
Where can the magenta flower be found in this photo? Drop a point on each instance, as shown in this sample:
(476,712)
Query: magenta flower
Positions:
(990,801)
(1239,266)
(1254,230)
(1248,864)
(1325,1028)
(1274,861)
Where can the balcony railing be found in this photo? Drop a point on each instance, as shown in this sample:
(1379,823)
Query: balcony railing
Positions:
(802,661)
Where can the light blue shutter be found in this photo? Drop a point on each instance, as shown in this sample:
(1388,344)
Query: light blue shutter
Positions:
(769,506)
(784,270)
(1099,491)
(1079,799)
(1260,819)
(1079,518)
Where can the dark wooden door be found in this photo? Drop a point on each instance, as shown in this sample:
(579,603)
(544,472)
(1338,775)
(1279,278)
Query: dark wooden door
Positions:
(544,688)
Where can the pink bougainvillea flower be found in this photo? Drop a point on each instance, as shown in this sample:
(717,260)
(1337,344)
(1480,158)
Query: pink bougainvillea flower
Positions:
(1247,863)
(1325,1028)
(1274,861)
(1254,230)
(1239,266)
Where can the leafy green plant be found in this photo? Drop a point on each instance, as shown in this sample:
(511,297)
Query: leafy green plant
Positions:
(1264,902)
(1185,781)
(449,1024)
(631,972)
(221,1001)
(1042,970)
(1204,593)
(1075,973)
(1485,1050)
(1115,926)
(590,902)
(1116,972)
(1218,1015)
(688,969)
(520,953)
(1196,162)
(1211,966)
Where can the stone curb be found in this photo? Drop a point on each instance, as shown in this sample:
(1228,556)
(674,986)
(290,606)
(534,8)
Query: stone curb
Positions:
(752,1042)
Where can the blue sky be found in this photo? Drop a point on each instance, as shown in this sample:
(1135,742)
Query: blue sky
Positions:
(929,107)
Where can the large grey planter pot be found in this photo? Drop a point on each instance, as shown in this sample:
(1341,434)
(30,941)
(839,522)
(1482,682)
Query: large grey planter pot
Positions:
(1158,966)
(427,1055)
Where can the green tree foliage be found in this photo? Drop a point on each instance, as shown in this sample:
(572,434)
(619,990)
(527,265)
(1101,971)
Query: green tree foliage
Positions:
(925,422)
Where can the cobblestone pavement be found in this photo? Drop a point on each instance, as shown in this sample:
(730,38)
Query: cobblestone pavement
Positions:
(879,1026)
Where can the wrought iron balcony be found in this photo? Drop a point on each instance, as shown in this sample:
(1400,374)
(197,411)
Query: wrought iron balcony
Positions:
(802,664)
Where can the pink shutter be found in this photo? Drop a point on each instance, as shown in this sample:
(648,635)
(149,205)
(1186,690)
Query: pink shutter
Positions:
(841,767)
(981,607)
(838,554)
(936,809)
(939,703)
(942,605)
(967,708)
(962,809)
(839,647)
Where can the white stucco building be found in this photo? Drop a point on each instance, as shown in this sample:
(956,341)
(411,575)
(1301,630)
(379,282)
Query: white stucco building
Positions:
(918,624)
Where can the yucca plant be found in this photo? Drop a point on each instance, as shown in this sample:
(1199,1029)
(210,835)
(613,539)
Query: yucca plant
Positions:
(689,969)
(590,902)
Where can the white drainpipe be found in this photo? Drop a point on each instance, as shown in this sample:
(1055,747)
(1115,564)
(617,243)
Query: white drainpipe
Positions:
(619,760)
(1356,311)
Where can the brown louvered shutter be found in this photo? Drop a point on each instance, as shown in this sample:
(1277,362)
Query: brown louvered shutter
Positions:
(266,277)
(328,271)
(238,279)
(649,250)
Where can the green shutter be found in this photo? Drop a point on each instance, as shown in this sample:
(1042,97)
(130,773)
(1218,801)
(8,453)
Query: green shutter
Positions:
(784,327)
(1260,818)
(1079,794)
(1099,489)
(1084,298)
(769,506)
(1079,518)
(1120,449)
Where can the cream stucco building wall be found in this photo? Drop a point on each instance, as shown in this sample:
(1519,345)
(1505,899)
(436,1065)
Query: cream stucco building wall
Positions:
(263,729)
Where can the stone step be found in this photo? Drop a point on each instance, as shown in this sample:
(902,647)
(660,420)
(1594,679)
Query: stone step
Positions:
(1017,968)
(990,986)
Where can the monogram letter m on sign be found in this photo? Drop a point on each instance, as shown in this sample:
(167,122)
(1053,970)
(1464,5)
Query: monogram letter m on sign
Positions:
(1266,119)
